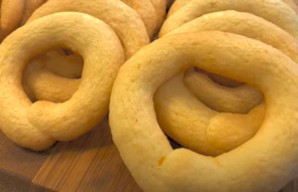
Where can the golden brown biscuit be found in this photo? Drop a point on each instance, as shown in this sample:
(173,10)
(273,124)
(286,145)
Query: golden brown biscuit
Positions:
(37,125)
(265,163)
(189,118)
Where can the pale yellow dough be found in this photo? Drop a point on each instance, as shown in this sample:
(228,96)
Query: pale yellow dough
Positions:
(189,118)
(265,163)
(37,125)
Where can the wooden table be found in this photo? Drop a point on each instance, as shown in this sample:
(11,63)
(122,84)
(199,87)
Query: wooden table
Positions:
(90,163)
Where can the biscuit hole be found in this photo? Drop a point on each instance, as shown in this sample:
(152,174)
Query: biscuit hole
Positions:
(38,81)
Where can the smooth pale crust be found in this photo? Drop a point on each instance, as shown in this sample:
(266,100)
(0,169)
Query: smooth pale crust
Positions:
(265,163)
(243,24)
(197,127)
(47,76)
(275,11)
(148,14)
(37,125)
(31,6)
(11,16)
(124,20)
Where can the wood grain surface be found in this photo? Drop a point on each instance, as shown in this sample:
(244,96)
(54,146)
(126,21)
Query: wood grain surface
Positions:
(88,164)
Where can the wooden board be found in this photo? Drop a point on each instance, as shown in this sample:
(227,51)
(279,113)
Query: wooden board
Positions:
(88,164)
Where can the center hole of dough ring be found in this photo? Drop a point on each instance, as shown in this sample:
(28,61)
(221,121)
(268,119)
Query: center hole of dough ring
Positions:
(53,76)
(37,125)
(264,163)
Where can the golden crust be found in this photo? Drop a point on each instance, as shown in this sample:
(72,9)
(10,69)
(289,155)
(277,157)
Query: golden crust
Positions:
(186,117)
(144,148)
(38,125)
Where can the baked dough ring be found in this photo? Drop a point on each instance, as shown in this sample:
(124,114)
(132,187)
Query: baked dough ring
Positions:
(37,125)
(187,119)
(125,21)
(243,24)
(266,163)
(275,11)
(11,16)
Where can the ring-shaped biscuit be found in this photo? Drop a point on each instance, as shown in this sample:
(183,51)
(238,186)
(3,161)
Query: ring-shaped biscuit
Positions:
(37,125)
(275,11)
(266,162)
(186,117)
